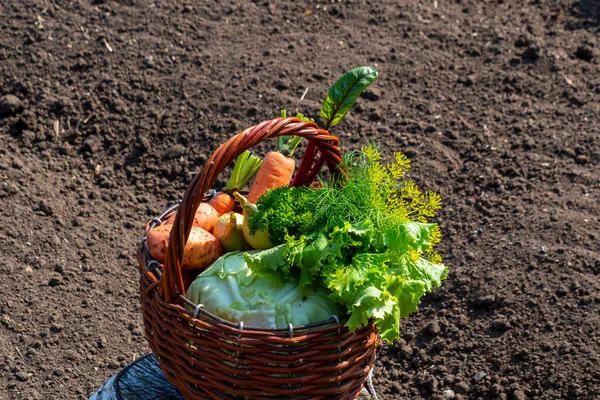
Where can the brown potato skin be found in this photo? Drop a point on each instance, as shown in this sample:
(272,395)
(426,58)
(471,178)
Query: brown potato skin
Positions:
(201,250)
(158,241)
(206,217)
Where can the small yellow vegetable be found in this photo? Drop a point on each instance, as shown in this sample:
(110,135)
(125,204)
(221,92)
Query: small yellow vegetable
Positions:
(260,240)
(228,232)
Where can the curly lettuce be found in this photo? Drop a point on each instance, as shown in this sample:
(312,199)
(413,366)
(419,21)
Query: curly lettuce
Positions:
(373,281)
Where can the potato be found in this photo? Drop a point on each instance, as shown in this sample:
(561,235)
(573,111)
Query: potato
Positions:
(158,241)
(206,217)
(168,220)
(201,250)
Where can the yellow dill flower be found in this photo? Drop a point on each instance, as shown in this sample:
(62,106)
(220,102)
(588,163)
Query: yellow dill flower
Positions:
(431,203)
(434,257)
(414,255)
(400,166)
(372,154)
(435,236)
(395,207)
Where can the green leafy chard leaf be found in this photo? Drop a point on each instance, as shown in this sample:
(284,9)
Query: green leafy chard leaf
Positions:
(429,273)
(344,92)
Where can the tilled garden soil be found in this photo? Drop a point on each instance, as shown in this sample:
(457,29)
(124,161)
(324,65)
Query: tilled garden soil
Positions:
(118,104)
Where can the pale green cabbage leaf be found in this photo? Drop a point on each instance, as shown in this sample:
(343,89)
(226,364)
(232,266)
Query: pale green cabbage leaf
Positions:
(230,290)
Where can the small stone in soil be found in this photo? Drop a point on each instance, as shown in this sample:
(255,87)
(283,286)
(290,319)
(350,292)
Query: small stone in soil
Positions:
(448,394)
(175,152)
(501,324)
(22,376)
(461,387)
(485,300)
(91,145)
(137,332)
(17,163)
(55,281)
(407,352)
(451,134)
(495,390)
(143,144)
(432,329)
(10,105)
(479,376)
(46,208)
(519,395)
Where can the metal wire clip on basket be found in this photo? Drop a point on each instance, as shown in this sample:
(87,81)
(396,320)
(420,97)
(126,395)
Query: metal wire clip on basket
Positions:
(206,357)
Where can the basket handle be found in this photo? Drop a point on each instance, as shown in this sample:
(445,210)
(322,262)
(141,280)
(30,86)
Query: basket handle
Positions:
(171,284)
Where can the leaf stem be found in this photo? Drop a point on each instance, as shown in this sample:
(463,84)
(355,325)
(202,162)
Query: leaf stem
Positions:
(244,169)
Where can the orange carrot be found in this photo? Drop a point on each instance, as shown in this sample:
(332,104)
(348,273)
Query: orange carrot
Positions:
(222,202)
(276,171)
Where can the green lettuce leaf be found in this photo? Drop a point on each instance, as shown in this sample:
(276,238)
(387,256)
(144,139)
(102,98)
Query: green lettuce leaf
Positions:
(268,264)
(409,235)
(313,257)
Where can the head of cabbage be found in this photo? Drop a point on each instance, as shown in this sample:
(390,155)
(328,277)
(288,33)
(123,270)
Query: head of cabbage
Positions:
(230,290)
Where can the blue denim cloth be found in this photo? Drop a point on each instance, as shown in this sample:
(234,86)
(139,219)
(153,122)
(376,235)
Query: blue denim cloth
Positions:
(141,380)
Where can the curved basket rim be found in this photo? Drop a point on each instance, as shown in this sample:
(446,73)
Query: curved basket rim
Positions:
(199,308)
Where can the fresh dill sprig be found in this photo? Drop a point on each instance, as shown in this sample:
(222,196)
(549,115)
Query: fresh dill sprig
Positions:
(370,191)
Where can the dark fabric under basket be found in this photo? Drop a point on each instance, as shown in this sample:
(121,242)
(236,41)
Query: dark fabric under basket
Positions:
(206,357)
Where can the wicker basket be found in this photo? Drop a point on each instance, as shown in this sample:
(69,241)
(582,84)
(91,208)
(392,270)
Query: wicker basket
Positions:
(206,357)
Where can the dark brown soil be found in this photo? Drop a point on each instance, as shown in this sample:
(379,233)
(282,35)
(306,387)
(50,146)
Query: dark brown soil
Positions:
(118,103)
